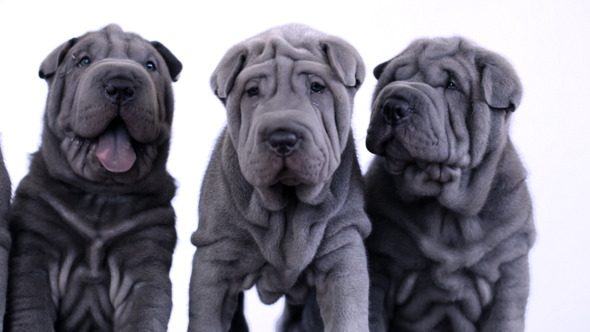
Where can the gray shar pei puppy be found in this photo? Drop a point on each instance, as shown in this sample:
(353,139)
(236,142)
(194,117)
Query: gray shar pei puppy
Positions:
(447,193)
(5,193)
(92,223)
(281,202)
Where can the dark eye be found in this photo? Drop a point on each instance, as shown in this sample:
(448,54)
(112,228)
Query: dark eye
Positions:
(452,86)
(150,66)
(317,87)
(253,91)
(85,61)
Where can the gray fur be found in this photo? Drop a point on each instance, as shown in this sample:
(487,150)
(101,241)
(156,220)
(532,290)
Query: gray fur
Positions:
(447,193)
(5,193)
(93,235)
(287,223)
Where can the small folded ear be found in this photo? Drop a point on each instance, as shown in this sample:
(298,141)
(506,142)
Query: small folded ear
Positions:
(345,60)
(54,59)
(224,76)
(174,65)
(379,69)
(501,86)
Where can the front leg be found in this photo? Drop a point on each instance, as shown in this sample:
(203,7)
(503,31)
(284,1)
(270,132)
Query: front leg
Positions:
(509,301)
(29,300)
(147,307)
(220,273)
(140,289)
(380,295)
(342,282)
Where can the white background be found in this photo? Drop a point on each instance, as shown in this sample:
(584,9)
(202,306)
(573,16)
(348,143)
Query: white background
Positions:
(547,41)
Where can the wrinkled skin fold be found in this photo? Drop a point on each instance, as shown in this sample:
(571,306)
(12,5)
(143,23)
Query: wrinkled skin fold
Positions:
(92,222)
(446,192)
(281,203)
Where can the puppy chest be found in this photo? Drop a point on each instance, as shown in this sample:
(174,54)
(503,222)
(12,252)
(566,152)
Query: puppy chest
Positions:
(81,289)
(451,299)
(287,246)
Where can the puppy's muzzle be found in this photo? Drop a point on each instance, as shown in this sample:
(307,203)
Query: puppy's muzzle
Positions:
(282,142)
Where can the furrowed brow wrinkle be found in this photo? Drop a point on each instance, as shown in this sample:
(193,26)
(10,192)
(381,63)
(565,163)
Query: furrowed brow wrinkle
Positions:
(404,72)
(320,70)
(257,71)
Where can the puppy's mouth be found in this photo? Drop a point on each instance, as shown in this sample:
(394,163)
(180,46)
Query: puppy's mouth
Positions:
(288,178)
(435,171)
(114,148)
(439,172)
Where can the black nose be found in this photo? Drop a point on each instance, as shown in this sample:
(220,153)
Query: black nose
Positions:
(282,142)
(395,110)
(119,91)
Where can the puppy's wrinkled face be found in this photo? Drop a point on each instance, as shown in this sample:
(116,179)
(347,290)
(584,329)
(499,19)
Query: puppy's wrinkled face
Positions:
(288,93)
(110,105)
(433,118)
(288,135)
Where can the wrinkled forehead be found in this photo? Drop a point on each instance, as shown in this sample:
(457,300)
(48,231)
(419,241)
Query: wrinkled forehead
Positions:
(261,50)
(276,56)
(434,62)
(112,42)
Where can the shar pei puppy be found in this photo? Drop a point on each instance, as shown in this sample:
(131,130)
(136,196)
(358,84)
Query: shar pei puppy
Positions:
(92,223)
(447,193)
(281,204)
(5,193)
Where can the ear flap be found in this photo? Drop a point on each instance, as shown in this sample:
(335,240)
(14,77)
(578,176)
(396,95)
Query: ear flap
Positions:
(501,87)
(174,65)
(54,59)
(224,76)
(345,60)
(379,69)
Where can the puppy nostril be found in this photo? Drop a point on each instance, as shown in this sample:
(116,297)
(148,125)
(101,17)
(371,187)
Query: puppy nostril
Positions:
(129,92)
(282,142)
(395,110)
(111,90)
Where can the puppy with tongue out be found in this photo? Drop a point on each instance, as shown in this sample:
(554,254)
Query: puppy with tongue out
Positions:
(92,222)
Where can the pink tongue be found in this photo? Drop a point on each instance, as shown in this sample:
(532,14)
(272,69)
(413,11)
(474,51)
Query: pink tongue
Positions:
(114,150)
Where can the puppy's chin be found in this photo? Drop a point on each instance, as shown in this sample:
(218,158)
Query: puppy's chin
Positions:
(276,197)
